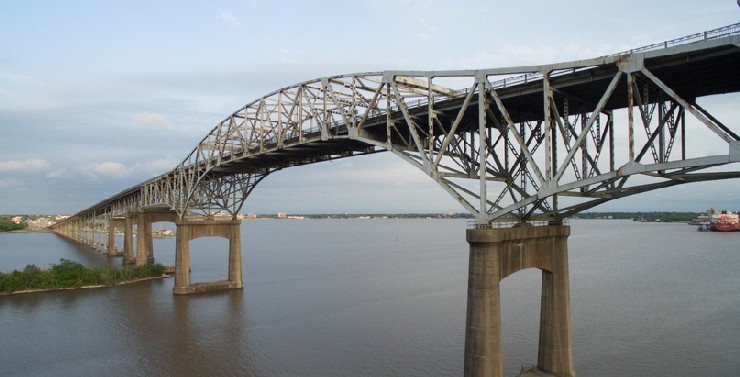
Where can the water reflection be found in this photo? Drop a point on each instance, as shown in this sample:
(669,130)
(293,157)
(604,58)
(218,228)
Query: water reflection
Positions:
(378,298)
(201,325)
(88,256)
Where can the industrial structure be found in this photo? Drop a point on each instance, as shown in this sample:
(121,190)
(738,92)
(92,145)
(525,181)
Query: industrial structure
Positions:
(523,146)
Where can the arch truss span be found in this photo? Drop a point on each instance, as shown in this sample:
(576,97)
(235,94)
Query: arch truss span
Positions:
(516,143)
(531,143)
(552,142)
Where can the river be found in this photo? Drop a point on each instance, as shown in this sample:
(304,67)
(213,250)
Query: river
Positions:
(378,298)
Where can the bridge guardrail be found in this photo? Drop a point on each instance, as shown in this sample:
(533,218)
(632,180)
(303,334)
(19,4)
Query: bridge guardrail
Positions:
(511,224)
(710,34)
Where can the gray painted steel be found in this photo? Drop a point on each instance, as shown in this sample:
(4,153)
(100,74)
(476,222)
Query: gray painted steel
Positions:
(516,143)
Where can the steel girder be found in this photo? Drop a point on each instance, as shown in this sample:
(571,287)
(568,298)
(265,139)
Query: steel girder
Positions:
(527,143)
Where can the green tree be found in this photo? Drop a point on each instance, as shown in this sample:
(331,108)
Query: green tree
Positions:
(7,226)
(70,274)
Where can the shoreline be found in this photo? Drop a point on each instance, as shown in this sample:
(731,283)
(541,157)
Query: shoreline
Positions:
(26,291)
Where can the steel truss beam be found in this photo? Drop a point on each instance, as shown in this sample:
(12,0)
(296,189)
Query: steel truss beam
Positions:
(523,143)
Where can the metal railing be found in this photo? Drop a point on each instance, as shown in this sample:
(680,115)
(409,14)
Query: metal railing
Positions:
(707,35)
(513,224)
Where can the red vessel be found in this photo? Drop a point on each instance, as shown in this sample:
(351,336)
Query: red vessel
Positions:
(724,221)
(720,227)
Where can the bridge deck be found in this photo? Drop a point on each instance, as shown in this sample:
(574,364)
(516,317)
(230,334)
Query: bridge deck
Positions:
(693,70)
(692,74)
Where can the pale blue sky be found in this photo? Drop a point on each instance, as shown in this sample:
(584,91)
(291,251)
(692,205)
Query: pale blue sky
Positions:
(97,96)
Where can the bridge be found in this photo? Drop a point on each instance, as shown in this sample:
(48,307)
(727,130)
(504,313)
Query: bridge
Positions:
(520,148)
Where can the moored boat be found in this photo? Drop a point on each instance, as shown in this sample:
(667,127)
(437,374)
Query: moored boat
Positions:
(701,219)
(724,221)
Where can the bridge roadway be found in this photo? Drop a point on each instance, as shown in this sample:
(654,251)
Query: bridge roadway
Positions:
(516,144)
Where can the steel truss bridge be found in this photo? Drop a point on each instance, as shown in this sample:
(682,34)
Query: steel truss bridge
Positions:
(522,143)
(515,144)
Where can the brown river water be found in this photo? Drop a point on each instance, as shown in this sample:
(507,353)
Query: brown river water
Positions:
(379,298)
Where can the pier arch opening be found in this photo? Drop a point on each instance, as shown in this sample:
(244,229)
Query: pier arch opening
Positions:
(209,259)
(520,319)
(163,242)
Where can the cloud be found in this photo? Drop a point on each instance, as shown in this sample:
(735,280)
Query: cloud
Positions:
(14,77)
(156,167)
(107,169)
(111,169)
(230,19)
(31,165)
(425,29)
(152,119)
(5,93)
(57,173)
(10,182)
(511,55)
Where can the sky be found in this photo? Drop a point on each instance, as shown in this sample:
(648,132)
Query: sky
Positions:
(98,96)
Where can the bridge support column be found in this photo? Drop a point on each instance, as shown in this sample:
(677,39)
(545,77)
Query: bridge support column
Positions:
(112,223)
(128,240)
(111,238)
(190,229)
(496,254)
(144,242)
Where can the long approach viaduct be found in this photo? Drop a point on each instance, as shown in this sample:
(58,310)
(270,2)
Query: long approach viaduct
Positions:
(520,148)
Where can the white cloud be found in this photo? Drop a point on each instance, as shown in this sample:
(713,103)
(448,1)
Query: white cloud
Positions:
(14,77)
(155,167)
(230,19)
(152,119)
(387,168)
(425,29)
(5,93)
(57,173)
(31,165)
(110,169)
(10,182)
(107,169)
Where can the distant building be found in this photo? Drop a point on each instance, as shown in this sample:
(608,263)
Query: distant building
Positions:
(17,219)
(281,215)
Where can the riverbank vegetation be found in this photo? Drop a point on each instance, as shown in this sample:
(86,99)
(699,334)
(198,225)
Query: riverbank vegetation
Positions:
(69,274)
(7,225)
(640,216)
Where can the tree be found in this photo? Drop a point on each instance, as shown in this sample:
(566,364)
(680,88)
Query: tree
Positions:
(6,225)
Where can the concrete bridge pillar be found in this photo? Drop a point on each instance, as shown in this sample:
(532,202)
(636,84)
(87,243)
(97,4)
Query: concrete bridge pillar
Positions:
(111,238)
(190,229)
(144,242)
(144,239)
(128,240)
(496,254)
(112,223)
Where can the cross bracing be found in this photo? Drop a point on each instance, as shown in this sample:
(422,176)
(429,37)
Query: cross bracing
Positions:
(525,143)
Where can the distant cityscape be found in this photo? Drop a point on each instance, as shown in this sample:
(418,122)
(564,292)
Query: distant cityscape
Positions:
(29,223)
(40,223)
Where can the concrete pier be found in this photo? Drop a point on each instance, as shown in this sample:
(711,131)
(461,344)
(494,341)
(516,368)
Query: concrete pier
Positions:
(114,222)
(190,229)
(128,240)
(144,241)
(496,254)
